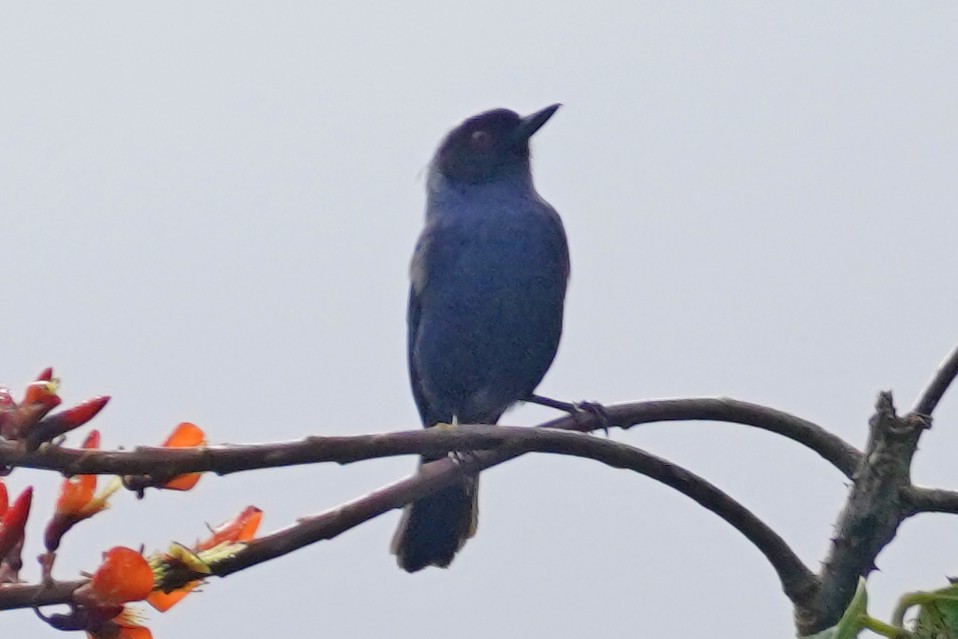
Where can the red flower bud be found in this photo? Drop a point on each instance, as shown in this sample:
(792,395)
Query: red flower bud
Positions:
(14,521)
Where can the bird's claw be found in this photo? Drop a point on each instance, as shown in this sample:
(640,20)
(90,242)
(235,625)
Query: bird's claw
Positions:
(461,457)
(596,411)
(576,410)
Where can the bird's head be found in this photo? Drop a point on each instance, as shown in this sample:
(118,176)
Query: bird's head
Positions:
(489,145)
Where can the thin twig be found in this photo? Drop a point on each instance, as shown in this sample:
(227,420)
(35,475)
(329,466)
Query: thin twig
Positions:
(830,447)
(935,390)
(797,580)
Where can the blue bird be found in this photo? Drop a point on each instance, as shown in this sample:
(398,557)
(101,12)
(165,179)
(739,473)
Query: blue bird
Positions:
(489,276)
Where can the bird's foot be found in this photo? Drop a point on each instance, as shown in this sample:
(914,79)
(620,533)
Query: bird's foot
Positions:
(460,457)
(595,411)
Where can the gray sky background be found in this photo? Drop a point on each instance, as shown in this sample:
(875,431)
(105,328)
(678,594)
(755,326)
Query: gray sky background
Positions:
(208,211)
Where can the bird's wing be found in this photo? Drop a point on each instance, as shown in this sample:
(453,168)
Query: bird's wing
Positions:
(432,248)
(413,314)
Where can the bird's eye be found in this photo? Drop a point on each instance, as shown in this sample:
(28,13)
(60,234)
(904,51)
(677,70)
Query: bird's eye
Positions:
(481,139)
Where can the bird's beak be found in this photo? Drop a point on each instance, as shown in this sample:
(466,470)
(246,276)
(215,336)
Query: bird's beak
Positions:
(532,123)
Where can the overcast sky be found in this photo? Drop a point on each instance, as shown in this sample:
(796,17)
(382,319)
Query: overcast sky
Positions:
(208,211)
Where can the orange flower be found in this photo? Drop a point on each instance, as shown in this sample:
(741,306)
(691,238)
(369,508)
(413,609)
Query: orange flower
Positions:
(124,576)
(186,435)
(77,501)
(241,528)
(77,491)
(163,601)
(125,625)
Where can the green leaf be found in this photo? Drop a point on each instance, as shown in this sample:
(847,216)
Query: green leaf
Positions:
(938,615)
(851,622)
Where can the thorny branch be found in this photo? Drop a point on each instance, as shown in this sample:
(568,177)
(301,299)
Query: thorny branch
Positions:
(869,520)
(881,497)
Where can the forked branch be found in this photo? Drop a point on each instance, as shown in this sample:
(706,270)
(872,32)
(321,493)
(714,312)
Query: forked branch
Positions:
(797,580)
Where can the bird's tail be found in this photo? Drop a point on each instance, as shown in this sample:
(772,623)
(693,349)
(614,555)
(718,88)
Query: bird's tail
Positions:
(433,529)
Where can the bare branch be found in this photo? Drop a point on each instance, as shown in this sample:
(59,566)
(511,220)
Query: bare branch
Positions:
(14,596)
(943,378)
(929,500)
(797,581)
(830,447)
(164,463)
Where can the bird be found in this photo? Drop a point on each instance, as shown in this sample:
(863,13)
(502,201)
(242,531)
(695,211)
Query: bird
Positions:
(488,281)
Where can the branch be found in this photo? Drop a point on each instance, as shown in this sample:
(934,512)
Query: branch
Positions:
(929,500)
(943,378)
(797,581)
(870,518)
(831,448)
(222,460)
